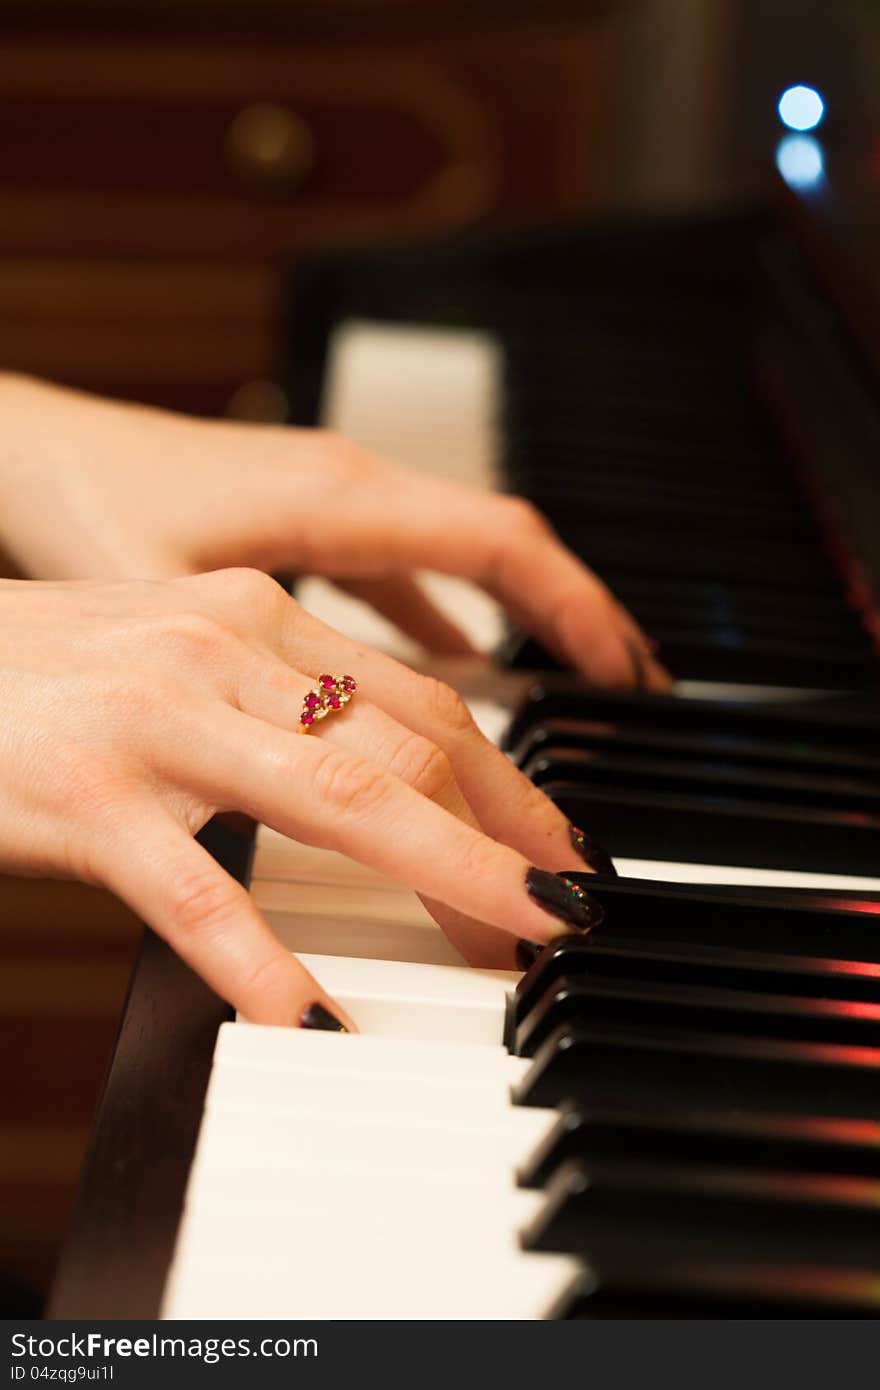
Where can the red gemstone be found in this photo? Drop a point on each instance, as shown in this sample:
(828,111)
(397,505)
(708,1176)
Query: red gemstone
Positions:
(334,701)
(349,683)
(306,718)
(327,682)
(312,699)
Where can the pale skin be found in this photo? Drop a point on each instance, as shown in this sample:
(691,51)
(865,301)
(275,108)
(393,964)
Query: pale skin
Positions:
(136,708)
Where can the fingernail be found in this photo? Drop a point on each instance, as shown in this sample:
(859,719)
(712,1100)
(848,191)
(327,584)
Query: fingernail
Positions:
(637,661)
(564,898)
(316,1016)
(527,953)
(594,855)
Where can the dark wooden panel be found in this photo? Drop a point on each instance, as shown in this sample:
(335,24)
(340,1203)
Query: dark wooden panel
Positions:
(128,1206)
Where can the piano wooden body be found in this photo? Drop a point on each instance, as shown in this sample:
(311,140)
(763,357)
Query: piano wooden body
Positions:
(680,1115)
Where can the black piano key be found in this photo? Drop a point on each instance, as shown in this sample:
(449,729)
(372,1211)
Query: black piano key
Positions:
(765,662)
(731,927)
(781,642)
(719,604)
(609,956)
(712,508)
(682,774)
(830,723)
(648,1004)
(740,1140)
(721,830)
(595,1064)
(678,554)
(602,1210)
(740,751)
(737,660)
(711,1288)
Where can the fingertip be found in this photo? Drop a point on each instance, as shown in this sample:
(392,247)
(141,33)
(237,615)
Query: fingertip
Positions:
(327,1017)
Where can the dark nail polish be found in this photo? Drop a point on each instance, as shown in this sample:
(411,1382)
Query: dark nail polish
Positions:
(564,898)
(598,859)
(316,1016)
(527,953)
(637,661)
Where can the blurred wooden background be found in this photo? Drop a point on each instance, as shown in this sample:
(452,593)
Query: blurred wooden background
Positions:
(159,164)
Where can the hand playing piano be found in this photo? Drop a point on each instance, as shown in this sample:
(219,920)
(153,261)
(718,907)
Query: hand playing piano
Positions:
(132,712)
(93,489)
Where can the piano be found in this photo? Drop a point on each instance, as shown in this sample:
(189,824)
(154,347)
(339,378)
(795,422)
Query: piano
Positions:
(679,1115)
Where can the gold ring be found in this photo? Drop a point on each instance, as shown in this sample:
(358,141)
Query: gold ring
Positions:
(331,693)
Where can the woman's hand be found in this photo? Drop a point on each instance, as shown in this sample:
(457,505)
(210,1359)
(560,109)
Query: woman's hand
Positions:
(92,489)
(133,712)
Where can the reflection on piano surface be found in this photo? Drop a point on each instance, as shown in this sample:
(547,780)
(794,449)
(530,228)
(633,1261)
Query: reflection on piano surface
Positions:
(680,1114)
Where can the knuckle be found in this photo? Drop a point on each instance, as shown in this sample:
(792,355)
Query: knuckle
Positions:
(128,697)
(248,587)
(349,786)
(445,707)
(348,462)
(202,901)
(423,765)
(522,518)
(82,779)
(475,859)
(192,634)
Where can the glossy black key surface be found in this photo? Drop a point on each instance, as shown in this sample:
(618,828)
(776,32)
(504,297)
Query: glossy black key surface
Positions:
(601,1211)
(603,1064)
(600,955)
(739,751)
(681,775)
(649,1004)
(729,829)
(729,656)
(788,1144)
(752,922)
(712,1288)
(836,722)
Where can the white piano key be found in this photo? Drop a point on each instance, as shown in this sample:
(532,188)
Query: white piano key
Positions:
(301,1049)
(277,857)
(286,1092)
(509,1286)
(669,871)
(440,1182)
(442,1237)
(395,999)
(271,1133)
(367,902)
(472,1211)
(443,424)
(351,922)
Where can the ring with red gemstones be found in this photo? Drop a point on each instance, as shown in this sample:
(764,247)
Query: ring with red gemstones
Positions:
(331,693)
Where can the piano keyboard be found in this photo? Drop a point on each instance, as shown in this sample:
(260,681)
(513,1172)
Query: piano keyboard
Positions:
(677,1116)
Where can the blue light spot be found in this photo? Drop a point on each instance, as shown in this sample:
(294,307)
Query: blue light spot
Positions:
(800,161)
(801,108)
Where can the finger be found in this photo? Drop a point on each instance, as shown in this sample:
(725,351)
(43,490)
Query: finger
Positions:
(371,733)
(175,886)
(309,789)
(271,691)
(403,601)
(506,804)
(503,544)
